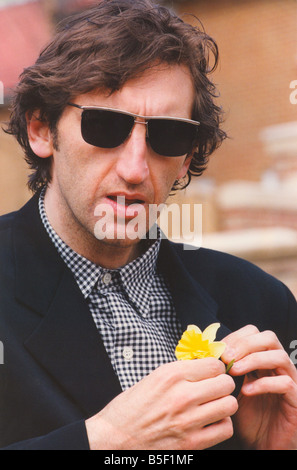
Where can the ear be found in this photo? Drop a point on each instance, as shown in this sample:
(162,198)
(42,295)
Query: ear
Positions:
(40,136)
(185,167)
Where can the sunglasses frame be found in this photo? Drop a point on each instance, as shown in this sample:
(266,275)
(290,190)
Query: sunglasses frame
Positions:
(145,119)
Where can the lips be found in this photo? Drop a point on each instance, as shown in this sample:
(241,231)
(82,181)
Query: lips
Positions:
(126,205)
(125,201)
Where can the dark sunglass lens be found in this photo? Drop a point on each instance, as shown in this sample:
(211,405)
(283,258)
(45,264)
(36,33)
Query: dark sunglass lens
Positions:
(105,129)
(171,138)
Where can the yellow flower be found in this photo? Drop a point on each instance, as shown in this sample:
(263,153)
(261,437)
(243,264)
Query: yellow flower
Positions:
(195,344)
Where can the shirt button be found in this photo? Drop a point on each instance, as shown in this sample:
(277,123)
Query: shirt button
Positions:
(106,278)
(128,353)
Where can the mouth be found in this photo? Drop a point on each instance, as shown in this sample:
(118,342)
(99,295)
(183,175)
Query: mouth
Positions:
(124,200)
(126,206)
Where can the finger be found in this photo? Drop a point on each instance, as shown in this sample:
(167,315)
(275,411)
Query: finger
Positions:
(266,340)
(240,333)
(234,339)
(212,389)
(279,384)
(199,369)
(273,360)
(181,374)
(216,410)
(216,433)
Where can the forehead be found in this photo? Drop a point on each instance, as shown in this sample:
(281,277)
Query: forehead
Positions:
(163,89)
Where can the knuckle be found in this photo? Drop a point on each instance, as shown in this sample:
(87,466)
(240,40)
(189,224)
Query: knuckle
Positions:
(225,383)
(215,367)
(190,441)
(251,329)
(228,428)
(281,359)
(179,401)
(233,405)
(229,405)
(271,337)
(230,384)
(284,356)
(289,384)
(224,430)
(167,373)
(177,426)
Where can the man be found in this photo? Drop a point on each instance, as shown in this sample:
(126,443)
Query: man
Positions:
(116,112)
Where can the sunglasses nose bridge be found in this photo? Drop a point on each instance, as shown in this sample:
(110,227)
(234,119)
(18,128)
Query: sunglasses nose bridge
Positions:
(144,123)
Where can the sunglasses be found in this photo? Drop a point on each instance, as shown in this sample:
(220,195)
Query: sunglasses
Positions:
(109,128)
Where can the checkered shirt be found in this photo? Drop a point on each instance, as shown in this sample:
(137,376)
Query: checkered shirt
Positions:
(131,307)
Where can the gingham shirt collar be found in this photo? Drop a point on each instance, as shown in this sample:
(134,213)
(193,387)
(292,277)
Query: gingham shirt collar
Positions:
(135,278)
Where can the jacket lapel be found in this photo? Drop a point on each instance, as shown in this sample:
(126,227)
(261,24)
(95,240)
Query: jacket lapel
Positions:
(193,303)
(65,341)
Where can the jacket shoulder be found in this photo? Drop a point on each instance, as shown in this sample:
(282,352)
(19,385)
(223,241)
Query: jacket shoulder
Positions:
(245,294)
(208,260)
(223,275)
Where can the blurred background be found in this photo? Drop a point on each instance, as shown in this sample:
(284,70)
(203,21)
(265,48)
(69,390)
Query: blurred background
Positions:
(249,191)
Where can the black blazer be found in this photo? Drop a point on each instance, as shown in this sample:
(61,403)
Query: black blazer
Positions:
(56,372)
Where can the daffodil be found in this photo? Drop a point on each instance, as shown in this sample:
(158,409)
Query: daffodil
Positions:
(195,344)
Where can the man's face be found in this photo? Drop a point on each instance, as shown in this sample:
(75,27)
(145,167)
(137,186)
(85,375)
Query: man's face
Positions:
(86,178)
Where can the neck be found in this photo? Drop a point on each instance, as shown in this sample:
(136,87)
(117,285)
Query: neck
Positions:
(107,254)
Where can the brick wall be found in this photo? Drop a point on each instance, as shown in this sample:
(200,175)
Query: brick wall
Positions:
(13,171)
(258,50)
(257,41)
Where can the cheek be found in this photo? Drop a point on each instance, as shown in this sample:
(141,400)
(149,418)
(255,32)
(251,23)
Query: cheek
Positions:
(175,169)
(80,167)
(164,176)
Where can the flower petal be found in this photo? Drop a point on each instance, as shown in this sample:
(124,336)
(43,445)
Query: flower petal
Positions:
(217,348)
(210,332)
(197,345)
(194,328)
(183,356)
(188,344)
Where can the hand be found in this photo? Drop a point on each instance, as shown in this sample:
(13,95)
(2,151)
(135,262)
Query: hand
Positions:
(181,405)
(267,414)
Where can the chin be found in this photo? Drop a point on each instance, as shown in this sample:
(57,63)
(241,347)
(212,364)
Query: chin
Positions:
(121,234)
(126,243)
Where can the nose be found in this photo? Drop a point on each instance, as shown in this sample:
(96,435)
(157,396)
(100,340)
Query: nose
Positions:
(132,163)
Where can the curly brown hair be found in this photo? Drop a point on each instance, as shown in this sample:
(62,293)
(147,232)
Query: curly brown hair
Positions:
(102,48)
